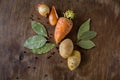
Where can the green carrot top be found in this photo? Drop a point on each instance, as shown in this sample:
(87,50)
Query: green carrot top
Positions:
(69,14)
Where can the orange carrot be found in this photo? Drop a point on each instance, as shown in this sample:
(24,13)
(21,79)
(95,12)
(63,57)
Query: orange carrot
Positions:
(63,26)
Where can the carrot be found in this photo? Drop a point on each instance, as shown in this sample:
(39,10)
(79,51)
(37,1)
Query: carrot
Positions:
(63,26)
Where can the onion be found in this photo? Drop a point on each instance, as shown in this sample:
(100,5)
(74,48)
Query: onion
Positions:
(53,17)
(43,9)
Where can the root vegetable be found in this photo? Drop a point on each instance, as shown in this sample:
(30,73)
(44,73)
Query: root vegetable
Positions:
(74,60)
(66,48)
(63,26)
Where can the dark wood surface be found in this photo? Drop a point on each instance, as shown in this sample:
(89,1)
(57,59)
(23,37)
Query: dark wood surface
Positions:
(99,63)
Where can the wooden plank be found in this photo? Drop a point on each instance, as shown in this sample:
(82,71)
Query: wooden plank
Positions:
(99,63)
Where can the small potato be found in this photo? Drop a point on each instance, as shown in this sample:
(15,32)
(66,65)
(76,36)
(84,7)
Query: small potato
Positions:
(66,48)
(74,60)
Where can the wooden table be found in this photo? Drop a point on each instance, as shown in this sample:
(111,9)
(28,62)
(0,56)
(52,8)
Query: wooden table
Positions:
(99,63)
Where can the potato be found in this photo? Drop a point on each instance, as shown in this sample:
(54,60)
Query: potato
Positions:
(66,48)
(74,60)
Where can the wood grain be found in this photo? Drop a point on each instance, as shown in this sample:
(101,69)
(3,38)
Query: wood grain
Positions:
(99,63)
